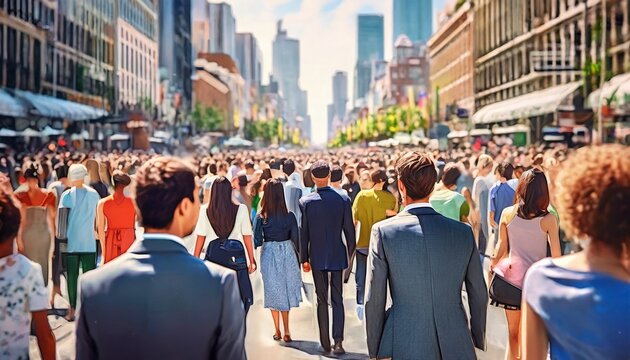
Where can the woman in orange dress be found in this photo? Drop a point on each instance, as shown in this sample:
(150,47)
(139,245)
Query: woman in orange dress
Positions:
(116,219)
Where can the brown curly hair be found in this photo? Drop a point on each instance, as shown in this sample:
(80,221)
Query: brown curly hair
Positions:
(593,195)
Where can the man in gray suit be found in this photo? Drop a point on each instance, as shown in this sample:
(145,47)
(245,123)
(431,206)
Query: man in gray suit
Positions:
(157,301)
(425,257)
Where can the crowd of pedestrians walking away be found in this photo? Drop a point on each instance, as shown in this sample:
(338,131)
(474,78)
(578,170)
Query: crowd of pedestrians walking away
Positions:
(156,251)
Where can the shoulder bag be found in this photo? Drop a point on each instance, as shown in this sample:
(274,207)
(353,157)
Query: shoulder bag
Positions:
(502,293)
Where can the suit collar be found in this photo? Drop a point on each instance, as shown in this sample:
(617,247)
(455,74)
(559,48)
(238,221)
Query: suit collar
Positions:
(158,243)
(325,188)
(425,210)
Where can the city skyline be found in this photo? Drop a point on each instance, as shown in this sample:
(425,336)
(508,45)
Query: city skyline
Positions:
(327,33)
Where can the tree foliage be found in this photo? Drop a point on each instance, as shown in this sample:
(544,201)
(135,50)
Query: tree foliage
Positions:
(207,118)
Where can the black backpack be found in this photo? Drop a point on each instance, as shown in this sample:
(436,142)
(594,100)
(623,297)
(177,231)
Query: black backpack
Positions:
(231,254)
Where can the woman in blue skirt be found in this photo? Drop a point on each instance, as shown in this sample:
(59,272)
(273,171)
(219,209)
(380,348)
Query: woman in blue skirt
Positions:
(277,230)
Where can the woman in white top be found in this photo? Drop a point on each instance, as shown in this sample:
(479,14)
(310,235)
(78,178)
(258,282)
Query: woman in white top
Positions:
(223,219)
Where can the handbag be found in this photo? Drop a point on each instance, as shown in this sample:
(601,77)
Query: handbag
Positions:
(231,254)
(502,293)
(258,232)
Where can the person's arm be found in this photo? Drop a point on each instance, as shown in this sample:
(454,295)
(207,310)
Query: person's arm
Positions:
(295,231)
(52,213)
(45,337)
(304,239)
(492,211)
(549,225)
(206,196)
(477,292)
(535,340)
(464,211)
(230,341)
(375,292)
(349,229)
(100,223)
(501,249)
(199,245)
(258,230)
(246,230)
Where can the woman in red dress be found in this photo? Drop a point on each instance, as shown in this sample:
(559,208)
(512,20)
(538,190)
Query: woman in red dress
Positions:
(116,219)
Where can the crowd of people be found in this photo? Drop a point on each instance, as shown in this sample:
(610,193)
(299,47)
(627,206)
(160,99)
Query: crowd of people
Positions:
(414,227)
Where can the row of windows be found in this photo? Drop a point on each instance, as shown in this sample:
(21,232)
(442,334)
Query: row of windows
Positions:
(85,39)
(139,17)
(32,11)
(20,60)
(138,63)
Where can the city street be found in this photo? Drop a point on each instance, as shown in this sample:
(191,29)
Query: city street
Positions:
(259,342)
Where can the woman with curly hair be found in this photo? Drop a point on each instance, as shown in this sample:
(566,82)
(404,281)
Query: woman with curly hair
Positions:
(577,305)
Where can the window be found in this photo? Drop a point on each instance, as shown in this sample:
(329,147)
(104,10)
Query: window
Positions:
(37,64)
(1,52)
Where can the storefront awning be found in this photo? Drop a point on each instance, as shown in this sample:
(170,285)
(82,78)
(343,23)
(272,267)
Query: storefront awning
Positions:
(49,106)
(617,90)
(535,103)
(10,106)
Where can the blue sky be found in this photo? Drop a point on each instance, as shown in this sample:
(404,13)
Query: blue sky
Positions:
(327,33)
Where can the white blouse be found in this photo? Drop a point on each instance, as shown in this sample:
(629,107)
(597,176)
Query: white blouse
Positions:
(242,227)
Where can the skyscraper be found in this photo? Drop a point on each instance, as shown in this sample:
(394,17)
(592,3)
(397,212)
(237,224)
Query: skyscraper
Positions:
(286,70)
(370,49)
(249,58)
(413,18)
(214,28)
(340,93)
(175,51)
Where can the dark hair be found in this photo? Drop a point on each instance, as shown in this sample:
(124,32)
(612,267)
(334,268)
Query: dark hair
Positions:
(320,169)
(10,218)
(274,164)
(212,168)
(161,185)
(378,176)
(32,172)
(351,175)
(120,178)
(417,172)
(451,174)
(273,203)
(61,169)
(336,174)
(288,167)
(505,169)
(266,174)
(222,210)
(249,165)
(532,194)
(308,179)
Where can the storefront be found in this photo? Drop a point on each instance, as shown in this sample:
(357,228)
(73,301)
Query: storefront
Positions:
(614,100)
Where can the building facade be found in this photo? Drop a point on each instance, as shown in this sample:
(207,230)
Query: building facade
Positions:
(337,110)
(137,57)
(214,28)
(176,66)
(413,18)
(452,64)
(370,49)
(407,75)
(521,47)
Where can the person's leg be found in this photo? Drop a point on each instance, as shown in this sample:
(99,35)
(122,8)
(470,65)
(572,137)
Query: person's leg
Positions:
(56,272)
(276,322)
(72,261)
(336,297)
(360,276)
(285,323)
(514,325)
(321,289)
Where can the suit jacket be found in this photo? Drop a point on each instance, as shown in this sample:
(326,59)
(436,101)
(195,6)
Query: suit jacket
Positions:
(159,302)
(425,262)
(325,215)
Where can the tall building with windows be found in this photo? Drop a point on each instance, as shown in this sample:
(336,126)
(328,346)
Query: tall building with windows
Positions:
(249,59)
(370,49)
(176,66)
(286,70)
(137,56)
(413,18)
(214,28)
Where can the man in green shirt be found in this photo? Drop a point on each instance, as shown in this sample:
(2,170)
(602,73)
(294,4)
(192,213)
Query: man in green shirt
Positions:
(370,207)
(445,200)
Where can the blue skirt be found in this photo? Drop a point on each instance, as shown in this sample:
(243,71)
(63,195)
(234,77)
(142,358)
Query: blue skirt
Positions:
(282,281)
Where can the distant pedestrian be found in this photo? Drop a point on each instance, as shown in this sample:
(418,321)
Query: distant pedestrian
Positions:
(278,230)
(325,215)
(352,185)
(336,176)
(157,301)
(480,195)
(576,306)
(445,200)
(501,196)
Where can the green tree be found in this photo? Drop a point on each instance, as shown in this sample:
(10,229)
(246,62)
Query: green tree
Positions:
(207,118)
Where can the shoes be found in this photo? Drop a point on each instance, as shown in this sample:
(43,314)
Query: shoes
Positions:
(338,349)
(360,310)
(287,339)
(324,349)
(277,336)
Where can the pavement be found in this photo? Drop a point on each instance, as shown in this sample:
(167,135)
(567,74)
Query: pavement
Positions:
(259,343)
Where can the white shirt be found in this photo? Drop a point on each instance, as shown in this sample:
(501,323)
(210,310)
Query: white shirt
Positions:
(22,292)
(160,236)
(242,227)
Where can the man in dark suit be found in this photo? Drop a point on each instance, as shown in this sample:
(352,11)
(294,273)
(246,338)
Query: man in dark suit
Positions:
(157,301)
(426,258)
(325,215)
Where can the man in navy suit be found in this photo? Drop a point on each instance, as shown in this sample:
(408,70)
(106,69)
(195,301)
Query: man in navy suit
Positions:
(157,301)
(325,215)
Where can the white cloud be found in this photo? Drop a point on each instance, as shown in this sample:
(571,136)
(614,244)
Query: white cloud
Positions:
(328,42)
